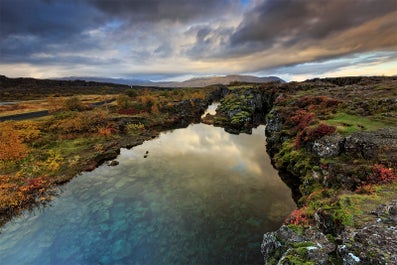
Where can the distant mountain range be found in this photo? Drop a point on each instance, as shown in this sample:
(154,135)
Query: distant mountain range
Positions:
(194,82)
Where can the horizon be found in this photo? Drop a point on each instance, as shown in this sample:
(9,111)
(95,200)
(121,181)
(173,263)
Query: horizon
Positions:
(175,41)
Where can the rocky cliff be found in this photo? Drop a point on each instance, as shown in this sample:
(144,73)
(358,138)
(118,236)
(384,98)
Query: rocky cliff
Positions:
(340,162)
(334,142)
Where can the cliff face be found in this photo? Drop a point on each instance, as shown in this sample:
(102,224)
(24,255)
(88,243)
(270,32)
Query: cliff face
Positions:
(334,142)
(340,162)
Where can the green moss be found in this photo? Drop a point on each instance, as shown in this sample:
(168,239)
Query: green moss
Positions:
(294,260)
(296,228)
(347,123)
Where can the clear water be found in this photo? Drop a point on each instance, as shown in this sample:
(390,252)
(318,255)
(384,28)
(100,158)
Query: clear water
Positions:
(202,196)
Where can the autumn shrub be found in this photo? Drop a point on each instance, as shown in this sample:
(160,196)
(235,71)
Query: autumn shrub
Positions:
(381,174)
(123,101)
(73,103)
(28,130)
(148,101)
(312,134)
(135,127)
(81,122)
(298,217)
(55,104)
(301,120)
(317,102)
(12,148)
(16,191)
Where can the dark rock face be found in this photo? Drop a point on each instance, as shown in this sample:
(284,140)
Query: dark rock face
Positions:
(379,145)
(290,246)
(375,243)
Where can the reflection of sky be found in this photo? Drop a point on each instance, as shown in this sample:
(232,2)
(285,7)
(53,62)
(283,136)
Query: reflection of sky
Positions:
(238,152)
(211,109)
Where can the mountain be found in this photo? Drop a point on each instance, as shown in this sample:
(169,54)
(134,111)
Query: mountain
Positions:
(119,81)
(224,80)
(194,82)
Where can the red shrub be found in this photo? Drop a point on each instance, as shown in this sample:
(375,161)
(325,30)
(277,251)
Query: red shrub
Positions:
(312,134)
(381,174)
(298,217)
(315,102)
(301,120)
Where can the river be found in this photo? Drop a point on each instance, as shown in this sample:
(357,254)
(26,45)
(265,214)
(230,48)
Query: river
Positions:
(196,195)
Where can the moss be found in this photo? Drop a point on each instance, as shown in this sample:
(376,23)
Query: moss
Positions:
(294,260)
(296,228)
(348,123)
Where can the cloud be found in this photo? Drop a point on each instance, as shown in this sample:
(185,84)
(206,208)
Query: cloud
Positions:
(285,23)
(123,38)
(159,10)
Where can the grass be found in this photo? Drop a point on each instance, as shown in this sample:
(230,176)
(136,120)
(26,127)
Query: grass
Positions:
(48,103)
(347,124)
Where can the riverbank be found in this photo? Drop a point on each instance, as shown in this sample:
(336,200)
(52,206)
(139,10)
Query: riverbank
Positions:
(334,142)
(38,155)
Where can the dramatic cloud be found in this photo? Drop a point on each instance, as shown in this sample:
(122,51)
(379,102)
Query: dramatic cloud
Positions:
(157,38)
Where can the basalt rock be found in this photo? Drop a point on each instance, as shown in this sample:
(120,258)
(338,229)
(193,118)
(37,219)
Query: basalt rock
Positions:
(291,246)
(374,243)
(328,146)
(378,145)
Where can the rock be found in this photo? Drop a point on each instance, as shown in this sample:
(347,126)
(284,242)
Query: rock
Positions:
(372,244)
(387,212)
(375,242)
(113,163)
(273,123)
(288,245)
(378,145)
(326,222)
(328,146)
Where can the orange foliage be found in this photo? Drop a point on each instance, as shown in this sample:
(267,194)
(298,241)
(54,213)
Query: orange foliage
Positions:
(16,192)
(12,149)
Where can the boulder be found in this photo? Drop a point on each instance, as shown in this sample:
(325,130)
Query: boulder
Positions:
(375,242)
(378,145)
(288,245)
(328,146)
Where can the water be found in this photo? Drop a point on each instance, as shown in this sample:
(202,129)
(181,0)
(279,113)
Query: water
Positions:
(202,196)
(211,109)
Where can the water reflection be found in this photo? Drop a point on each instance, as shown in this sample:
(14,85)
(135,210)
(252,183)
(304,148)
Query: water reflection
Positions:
(211,109)
(202,196)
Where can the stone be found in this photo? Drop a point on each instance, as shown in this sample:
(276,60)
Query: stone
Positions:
(328,146)
(375,242)
(286,244)
(113,163)
(378,145)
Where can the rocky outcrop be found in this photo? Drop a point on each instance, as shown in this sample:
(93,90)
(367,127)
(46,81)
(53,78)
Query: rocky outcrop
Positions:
(374,243)
(379,145)
(294,245)
(244,109)
(328,146)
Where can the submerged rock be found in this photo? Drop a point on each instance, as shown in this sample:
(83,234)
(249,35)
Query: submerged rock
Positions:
(113,163)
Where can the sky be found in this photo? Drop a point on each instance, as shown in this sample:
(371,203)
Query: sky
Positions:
(179,39)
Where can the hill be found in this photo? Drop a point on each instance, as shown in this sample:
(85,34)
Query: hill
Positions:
(194,82)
